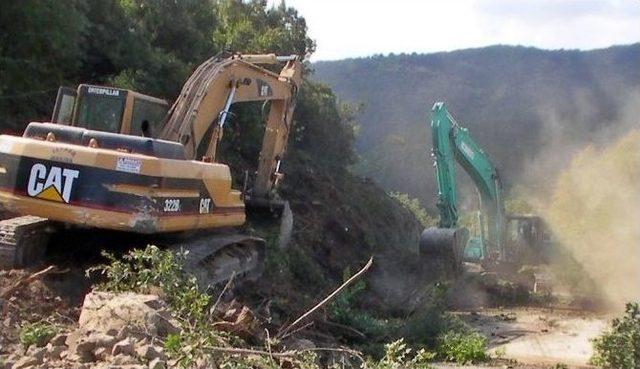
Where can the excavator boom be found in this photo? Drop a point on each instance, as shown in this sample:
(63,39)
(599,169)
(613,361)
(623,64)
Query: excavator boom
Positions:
(198,115)
(452,143)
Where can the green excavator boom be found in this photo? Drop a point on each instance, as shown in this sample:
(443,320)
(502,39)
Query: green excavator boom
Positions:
(453,144)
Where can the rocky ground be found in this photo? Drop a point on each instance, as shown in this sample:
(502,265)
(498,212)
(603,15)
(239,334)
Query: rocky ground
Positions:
(124,330)
(128,330)
(112,331)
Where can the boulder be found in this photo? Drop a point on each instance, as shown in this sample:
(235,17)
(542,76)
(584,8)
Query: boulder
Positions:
(102,340)
(124,347)
(59,339)
(36,353)
(150,352)
(25,362)
(123,359)
(157,363)
(107,313)
(54,352)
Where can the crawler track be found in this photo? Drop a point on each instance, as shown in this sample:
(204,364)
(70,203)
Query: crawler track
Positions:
(23,241)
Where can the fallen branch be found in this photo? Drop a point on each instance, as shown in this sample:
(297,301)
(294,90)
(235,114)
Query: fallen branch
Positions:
(26,280)
(344,327)
(285,332)
(243,351)
(301,328)
(285,354)
(224,290)
(351,352)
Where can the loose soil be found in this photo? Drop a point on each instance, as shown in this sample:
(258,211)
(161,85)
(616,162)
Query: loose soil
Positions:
(538,337)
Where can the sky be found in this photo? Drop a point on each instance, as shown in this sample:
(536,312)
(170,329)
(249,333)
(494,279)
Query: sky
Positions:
(354,28)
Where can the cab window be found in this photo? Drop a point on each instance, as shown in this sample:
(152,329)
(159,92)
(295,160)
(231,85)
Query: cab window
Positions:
(147,118)
(100,112)
(63,110)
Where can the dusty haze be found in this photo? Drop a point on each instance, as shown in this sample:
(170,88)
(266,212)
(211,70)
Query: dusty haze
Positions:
(595,212)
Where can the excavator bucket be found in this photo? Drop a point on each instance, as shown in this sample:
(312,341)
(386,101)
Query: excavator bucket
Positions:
(444,244)
(266,211)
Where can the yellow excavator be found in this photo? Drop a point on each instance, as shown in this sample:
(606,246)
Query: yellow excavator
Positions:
(119,160)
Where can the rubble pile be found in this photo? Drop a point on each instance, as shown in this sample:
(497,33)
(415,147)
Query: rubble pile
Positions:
(114,331)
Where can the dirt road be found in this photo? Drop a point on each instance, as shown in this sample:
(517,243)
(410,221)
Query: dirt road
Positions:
(538,337)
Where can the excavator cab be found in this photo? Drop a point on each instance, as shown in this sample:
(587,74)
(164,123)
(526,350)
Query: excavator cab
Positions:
(528,239)
(109,109)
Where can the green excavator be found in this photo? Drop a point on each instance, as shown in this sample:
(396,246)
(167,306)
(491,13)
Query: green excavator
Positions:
(503,242)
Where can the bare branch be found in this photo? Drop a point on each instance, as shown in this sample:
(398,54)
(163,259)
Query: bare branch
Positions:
(26,280)
(304,316)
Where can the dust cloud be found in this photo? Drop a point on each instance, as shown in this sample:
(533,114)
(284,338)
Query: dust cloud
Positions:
(585,183)
(594,211)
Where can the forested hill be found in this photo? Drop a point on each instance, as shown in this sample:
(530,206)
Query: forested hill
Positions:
(519,103)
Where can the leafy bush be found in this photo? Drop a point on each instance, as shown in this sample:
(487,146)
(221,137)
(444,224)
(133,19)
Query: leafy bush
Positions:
(142,270)
(38,333)
(414,206)
(463,348)
(398,355)
(431,320)
(619,347)
(343,310)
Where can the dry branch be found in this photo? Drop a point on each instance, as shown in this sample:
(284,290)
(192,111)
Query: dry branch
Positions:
(344,327)
(26,280)
(285,332)
(243,351)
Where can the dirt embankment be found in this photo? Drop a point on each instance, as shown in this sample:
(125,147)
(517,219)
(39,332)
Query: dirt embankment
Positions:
(340,220)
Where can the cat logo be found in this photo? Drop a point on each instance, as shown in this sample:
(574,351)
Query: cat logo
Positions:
(54,184)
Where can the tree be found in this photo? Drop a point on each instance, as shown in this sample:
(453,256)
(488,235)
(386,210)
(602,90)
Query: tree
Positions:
(40,48)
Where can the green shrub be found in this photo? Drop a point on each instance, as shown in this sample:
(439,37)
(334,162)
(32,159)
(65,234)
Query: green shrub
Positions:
(38,333)
(398,355)
(414,206)
(431,320)
(619,347)
(141,270)
(463,348)
(344,310)
(172,343)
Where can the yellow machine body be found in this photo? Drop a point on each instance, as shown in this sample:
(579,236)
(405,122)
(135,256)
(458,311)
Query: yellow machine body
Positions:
(105,188)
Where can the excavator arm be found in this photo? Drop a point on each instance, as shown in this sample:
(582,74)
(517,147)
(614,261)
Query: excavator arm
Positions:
(197,117)
(453,143)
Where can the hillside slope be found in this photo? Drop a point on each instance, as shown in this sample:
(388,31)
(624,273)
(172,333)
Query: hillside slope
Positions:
(517,102)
